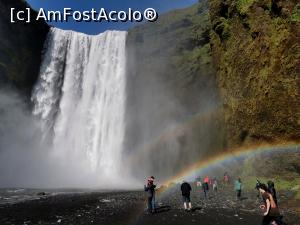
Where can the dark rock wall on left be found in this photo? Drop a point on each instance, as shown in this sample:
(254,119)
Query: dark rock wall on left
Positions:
(21,46)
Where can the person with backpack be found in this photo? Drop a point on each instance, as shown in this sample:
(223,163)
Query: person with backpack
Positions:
(271,211)
(150,189)
(238,188)
(272,190)
(186,195)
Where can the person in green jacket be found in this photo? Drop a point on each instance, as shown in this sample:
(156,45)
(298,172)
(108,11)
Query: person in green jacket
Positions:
(238,188)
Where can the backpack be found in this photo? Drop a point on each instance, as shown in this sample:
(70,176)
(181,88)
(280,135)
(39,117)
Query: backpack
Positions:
(271,184)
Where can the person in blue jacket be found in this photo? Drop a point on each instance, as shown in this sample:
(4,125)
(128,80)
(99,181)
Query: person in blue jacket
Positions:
(238,188)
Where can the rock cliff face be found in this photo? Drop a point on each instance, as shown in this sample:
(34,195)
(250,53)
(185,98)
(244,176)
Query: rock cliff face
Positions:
(176,50)
(21,45)
(256,47)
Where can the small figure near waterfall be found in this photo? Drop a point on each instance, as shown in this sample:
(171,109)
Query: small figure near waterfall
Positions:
(198,182)
(186,193)
(226,178)
(150,189)
(205,187)
(215,185)
(238,188)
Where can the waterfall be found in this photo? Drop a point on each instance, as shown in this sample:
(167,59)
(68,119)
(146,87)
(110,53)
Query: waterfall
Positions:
(80,98)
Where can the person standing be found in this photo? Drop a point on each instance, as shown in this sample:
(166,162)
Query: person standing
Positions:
(226,178)
(205,187)
(150,189)
(153,198)
(238,188)
(186,195)
(271,211)
(272,190)
(198,182)
(215,185)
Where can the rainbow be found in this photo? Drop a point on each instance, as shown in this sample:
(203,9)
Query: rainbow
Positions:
(228,156)
(166,135)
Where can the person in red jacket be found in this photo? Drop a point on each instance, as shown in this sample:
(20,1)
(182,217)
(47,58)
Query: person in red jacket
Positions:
(205,186)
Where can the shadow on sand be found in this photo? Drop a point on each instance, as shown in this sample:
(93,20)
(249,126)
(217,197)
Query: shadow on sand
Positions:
(162,209)
(196,208)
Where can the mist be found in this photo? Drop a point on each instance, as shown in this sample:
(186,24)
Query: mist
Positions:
(173,117)
(22,156)
(28,160)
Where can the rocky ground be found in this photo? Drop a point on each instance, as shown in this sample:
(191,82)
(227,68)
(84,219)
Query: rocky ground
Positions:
(126,208)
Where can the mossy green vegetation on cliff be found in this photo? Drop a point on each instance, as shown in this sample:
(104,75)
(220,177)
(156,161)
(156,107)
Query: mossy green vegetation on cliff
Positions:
(243,5)
(295,17)
(256,47)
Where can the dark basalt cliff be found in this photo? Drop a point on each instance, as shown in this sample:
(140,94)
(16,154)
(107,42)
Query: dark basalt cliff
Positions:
(256,47)
(21,46)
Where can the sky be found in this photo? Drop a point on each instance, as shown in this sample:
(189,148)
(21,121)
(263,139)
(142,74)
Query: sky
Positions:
(160,6)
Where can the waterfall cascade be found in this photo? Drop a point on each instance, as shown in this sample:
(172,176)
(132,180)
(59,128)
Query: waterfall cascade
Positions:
(80,98)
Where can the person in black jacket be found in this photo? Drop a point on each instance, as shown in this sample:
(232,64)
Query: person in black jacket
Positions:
(272,190)
(186,190)
(150,189)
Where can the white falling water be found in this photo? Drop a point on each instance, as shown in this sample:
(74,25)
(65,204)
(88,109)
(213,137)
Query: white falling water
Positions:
(80,98)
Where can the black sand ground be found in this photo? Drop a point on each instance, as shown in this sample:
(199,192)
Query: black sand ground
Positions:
(127,208)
